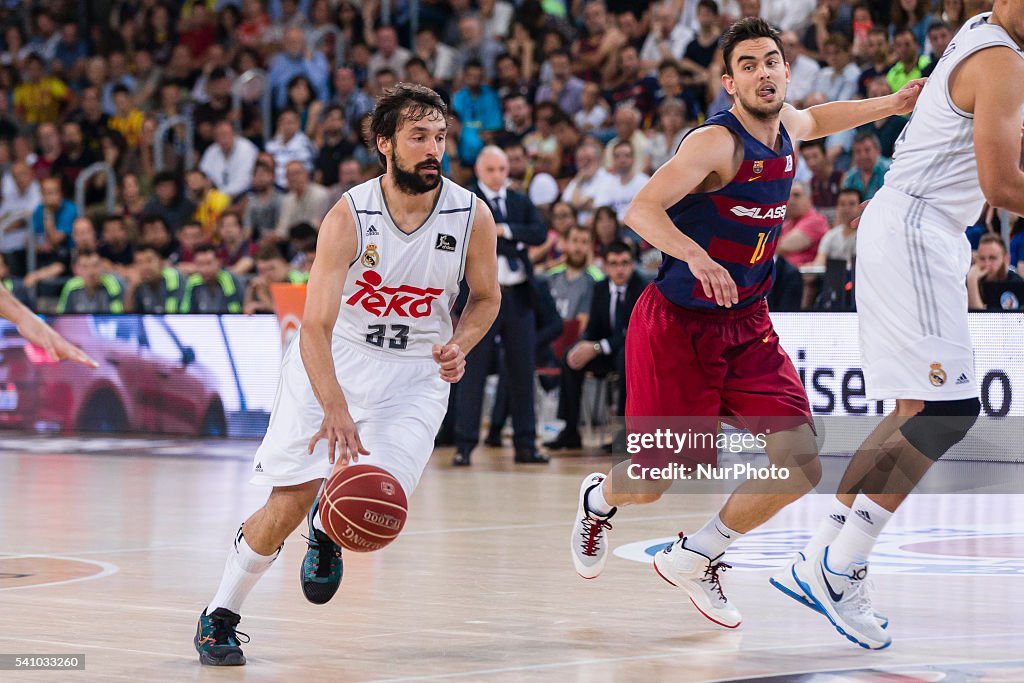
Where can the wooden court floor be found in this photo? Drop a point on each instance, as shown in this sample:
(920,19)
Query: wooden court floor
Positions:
(112,551)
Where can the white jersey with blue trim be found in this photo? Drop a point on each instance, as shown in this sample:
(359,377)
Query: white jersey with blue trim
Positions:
(401,287)
(935,158)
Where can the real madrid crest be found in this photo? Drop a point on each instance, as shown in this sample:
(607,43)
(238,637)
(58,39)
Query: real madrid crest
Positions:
(371,257)
(937,376)
(758,166)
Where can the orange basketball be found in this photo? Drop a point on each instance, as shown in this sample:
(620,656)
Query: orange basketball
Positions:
(363,508)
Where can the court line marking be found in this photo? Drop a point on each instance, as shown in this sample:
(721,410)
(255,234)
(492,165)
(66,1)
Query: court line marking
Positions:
(667,655)
(885,667)
(106,569)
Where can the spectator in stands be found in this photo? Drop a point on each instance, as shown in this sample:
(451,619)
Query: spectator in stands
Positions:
(289,144)
(90,117)
(293,60)
(627,181)
(152,286)
(333,147)
(300,99)
(840,242)
(803,70)
(354,103)
(591,187)
(442,60)
(670,86)
(127,120)
(230,160)
(627,129)
(829,18)
(52,219)
(803,229)
(953,13)
(825,181)
(602,347)
(389,54)
(210,202)
(271,268)
(564,88)
(211,289)
(880,56)
(552,252)
(168,202)
(940,33)
(594,111)
(156,234)
(235,250)
(888,129)
(305,202)
(479,110)
(83,237)
(838,80)
(40,98)
(216,107)
(48,142)
(624,84)
(669,132)
(786,294)
(991,265)
(91,290)
(189,239)
(75,158)
(116,247)
(476,45)
(913,16)
(518,121)
(510,80)
(909,60)
(869,166)
(262,203)
(13,284)
(1017,246)
(572,281)
(21,196)
(540,187)
(350,174)
(667,39)
(598,43)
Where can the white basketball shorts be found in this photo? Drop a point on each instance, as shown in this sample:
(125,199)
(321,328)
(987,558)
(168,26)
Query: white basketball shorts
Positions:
(912,263)
(397,406)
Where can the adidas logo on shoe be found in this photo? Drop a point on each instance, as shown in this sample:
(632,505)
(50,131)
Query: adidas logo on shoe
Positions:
(259,467)
(962,379)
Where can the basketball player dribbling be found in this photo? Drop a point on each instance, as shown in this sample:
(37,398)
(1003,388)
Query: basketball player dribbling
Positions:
(700,343)
(961,148)
(362,378)
(36,331)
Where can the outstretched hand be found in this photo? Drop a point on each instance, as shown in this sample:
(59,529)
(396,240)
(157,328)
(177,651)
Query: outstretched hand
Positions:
(906,97)
(342,437)
(35,330)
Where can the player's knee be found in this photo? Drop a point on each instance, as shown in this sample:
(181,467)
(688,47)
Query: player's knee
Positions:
(940,425)
(811,473)
(289,505)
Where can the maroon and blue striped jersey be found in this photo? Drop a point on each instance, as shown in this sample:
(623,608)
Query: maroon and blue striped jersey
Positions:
(738,225)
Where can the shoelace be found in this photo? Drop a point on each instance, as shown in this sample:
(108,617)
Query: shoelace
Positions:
(592,528)
(860,597)
(224,632)
(326,550)
(711,577)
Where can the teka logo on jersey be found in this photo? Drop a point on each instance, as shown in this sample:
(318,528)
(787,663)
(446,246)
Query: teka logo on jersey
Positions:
(759,213)
(405,301)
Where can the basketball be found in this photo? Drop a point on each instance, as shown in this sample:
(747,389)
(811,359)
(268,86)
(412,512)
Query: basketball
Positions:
(363,508)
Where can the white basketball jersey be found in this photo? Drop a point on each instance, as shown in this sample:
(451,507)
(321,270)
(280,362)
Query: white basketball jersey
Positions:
(400,289)
(935,159)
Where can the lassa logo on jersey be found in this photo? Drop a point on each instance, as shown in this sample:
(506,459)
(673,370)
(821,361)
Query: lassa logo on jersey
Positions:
(405,301)
(750,213)
(759,212)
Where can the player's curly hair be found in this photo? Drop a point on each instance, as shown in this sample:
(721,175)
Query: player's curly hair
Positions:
(750,28)
(402,103)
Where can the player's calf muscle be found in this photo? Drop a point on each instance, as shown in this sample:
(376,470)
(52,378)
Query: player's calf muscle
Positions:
(287,506)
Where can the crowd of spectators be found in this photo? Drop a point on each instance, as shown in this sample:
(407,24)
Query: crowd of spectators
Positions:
(202,209)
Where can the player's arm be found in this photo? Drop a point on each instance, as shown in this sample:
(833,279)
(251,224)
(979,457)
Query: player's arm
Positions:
(996,123)
(484,296)
(706,157)
(833,117)
(32,328)
(336,249)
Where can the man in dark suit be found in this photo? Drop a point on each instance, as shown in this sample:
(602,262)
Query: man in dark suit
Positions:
(602,349)
(519,224)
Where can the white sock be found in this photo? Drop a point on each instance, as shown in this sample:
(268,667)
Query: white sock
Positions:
(241,572)
(857,538)
(596,502)
(712,539)
(317,524)
(828,529)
